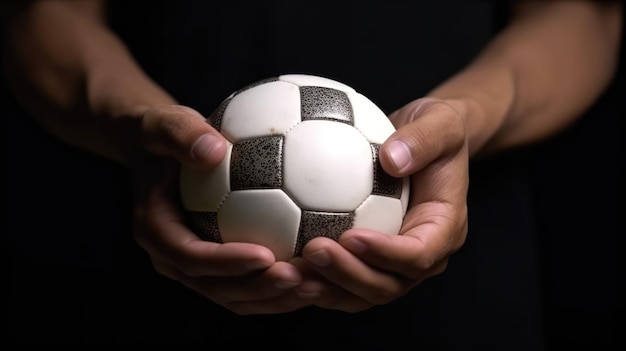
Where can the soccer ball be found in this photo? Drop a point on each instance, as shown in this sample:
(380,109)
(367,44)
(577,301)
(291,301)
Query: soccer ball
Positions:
(302,162)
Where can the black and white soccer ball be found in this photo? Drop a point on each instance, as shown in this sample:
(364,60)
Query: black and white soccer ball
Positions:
(302,162)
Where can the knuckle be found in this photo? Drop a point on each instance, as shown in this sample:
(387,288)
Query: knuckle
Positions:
(162,270)
(422,264)
(457,244)
(440,268)
(189,267)
(387,293)
(451,123)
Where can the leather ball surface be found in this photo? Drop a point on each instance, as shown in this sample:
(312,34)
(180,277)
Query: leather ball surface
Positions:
(302,162)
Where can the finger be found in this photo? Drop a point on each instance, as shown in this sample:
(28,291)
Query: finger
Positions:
(327,295)
(434,226)
(250,294)
(183,133)
(258,286)
(427,129)
(340,267)
(196,257)
(430,239)
(160,230)
(288,301)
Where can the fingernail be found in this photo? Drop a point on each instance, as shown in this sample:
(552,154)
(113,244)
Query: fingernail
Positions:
(319,258)
(308,295)
(355,245)
(256,265)
(286,284)
(310,289)
(203,146)
(400,154)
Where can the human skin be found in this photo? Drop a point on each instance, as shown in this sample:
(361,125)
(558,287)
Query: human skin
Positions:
(78,80)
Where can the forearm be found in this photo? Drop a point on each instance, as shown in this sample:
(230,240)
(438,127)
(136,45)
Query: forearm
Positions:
(75,76)
(542,72)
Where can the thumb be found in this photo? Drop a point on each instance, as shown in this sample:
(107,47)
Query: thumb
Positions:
(427,129)
(182,133)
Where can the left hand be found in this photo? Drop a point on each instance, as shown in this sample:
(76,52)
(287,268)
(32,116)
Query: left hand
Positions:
(365,268)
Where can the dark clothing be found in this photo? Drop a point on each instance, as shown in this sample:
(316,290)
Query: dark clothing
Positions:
(543,250)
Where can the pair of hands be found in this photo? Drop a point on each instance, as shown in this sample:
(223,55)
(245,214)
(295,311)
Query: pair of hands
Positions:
(362,269)
(94,95)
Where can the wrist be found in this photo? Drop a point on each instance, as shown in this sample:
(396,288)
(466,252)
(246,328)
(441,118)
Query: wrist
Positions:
(118,100)
(119,93)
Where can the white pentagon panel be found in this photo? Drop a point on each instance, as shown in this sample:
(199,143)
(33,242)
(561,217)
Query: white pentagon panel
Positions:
(370,119)
(265,217)
(327,166)
(267,109)
(380,213)
(204,189)
(308,80)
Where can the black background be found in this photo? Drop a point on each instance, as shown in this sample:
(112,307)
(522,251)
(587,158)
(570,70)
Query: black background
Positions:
(543,266)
